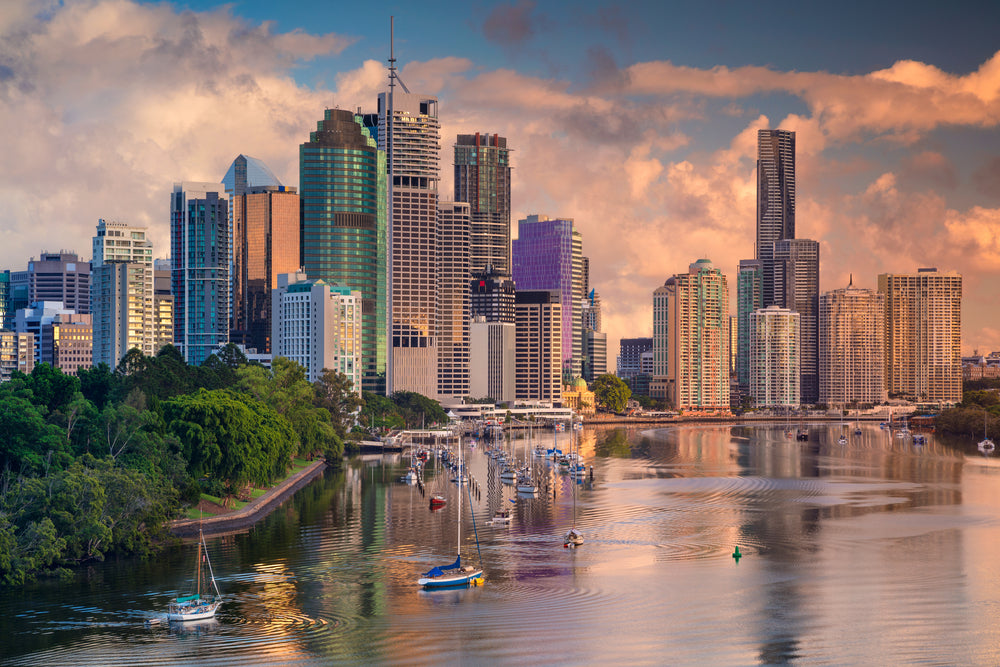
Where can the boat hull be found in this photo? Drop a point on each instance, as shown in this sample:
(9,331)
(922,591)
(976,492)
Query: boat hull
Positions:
(452,580)
(195,612)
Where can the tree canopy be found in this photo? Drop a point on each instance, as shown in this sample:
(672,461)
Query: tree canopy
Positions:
(611,392)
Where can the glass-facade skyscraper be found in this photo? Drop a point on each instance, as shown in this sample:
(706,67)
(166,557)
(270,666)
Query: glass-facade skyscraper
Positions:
(547,255)
(482,178)
(748,299)
(201,258)
(775,199)
(265,245)
(795,265)
(342,193)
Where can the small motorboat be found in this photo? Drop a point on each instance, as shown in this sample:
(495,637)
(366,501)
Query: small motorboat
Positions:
(842,440)
(437,502)
(986,446)
(573,538)
(500,519)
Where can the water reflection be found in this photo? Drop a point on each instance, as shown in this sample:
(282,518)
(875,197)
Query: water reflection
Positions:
(877,550)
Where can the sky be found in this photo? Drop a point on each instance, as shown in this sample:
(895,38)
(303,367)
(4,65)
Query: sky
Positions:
(637,120)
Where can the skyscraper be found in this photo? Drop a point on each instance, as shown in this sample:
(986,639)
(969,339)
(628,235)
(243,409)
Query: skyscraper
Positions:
(630,352)
(492,296)
(121,292)
(697,338)
(775,198)
(201,257)
(852,347)
(795,264)
(482,178)
(265,244)
(60,276)
(539,357)
(749,297)
(774,358)
(547,255)
(492,336)
(409,131)
(453,299)
(595,340)
(923,332)
(342,190)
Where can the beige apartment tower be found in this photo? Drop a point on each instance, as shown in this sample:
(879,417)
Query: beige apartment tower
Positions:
(696,332)
(538,366)
(852,347)
(923,331)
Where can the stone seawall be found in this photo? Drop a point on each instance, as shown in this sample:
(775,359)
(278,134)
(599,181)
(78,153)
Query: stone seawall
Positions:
(253,512)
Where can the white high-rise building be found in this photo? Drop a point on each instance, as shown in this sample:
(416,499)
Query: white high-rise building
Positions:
(775,355)
(492,354)
(121,299)
(317,325)
(852,347)
(923,334)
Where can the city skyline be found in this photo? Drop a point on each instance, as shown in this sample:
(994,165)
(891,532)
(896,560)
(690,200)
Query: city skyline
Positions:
(647,141)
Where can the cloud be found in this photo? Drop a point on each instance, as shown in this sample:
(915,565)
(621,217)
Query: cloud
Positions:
(104,104)
(510,25)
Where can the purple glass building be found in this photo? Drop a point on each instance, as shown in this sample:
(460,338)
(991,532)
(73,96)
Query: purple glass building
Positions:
(548,255)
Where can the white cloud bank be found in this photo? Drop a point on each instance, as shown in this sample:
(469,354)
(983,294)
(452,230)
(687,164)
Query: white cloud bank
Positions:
(103,105)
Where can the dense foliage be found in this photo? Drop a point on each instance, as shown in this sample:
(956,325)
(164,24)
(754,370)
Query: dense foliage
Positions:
(96,464)
(611,392)
(976,415)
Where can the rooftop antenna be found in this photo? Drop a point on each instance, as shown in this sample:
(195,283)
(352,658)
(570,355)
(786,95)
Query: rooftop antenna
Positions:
(393,75)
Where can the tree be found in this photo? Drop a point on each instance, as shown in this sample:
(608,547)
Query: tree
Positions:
(97,384)
(418,410)
(231,436)
(27,442)
(335,393)
(611,392)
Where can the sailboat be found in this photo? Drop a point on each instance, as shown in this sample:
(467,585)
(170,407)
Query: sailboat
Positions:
(573,537)
(455,574)
(986,445)
(196,607)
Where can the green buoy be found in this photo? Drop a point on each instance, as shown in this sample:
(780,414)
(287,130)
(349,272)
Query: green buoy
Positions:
(737,555)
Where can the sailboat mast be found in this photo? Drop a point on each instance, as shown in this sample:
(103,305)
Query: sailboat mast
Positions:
(461,471)
(201,539)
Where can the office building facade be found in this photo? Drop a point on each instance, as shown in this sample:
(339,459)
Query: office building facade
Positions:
(538,370)
(482,178)
(408,130)
(17,353)
(266,239)
(547,255)
(630,352)
(453,300)
(60,276)
(67,342)
(342,191)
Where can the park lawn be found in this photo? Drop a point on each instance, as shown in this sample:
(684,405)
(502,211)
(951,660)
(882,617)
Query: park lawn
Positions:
(194,513)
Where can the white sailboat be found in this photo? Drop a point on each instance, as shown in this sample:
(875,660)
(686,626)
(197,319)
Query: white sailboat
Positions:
(456,574)
(197,607)
(986,445)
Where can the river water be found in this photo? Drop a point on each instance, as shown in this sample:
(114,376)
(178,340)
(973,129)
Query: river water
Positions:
(874,552)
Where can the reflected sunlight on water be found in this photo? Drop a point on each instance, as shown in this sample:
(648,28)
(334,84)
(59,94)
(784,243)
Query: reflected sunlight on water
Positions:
(873,551)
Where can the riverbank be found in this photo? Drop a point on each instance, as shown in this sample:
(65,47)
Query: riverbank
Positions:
(252,512)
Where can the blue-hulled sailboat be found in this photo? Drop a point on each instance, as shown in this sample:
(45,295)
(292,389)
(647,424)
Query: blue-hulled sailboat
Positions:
(456,574)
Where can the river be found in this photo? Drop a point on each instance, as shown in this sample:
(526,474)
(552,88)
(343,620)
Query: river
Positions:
(874,552)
